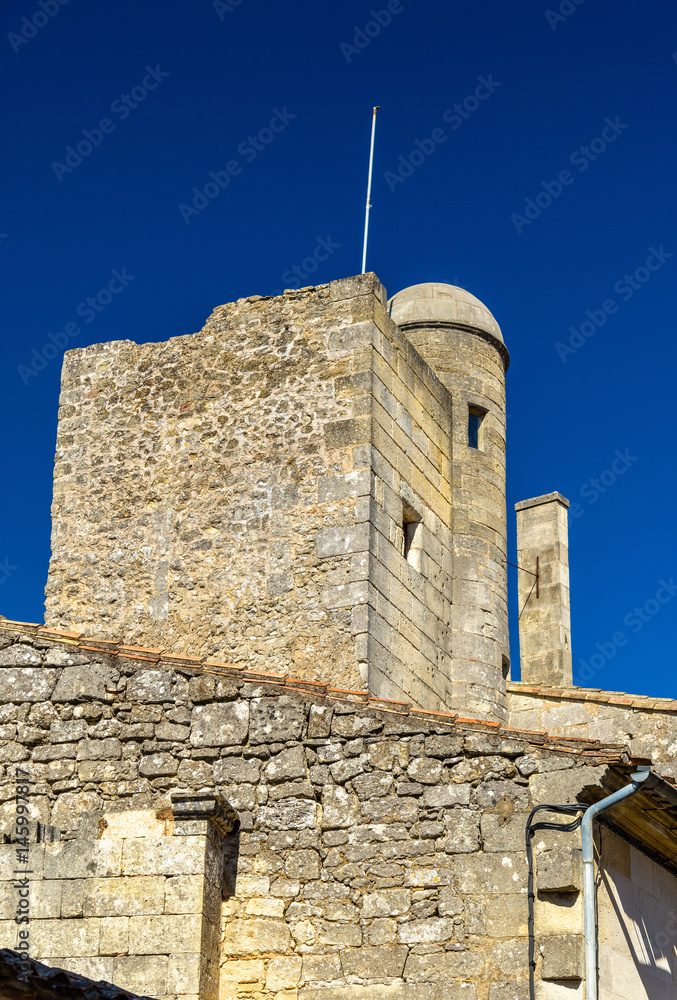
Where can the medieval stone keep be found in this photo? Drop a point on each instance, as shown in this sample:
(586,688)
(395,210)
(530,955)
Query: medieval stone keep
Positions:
(266,745)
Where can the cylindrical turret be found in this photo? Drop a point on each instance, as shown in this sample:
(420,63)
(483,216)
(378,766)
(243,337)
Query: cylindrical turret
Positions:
(462,342)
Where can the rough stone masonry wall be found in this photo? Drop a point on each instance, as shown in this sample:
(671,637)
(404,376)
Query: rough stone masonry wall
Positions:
(647,725)
(380,854)
(241,492)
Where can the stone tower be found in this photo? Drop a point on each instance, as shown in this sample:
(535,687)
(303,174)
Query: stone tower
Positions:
(462,342)
(312,484)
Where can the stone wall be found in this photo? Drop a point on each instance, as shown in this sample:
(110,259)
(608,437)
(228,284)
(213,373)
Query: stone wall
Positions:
(462,342)
(242,493)
(380,852)
(647,725)
(136,899)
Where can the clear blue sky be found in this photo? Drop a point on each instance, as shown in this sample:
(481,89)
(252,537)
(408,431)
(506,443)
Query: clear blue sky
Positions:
(577,114)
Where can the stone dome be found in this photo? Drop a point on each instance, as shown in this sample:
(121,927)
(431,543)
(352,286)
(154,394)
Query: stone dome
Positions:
(435,302)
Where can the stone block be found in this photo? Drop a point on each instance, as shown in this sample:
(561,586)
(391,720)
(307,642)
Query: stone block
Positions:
(304,865)
(480,873)
(244,971)
(510,957)
(429,930)
(166,934)
(104,770)
(389,810)
(114,937)
(255,936)
(158,765)
(111,897)
(265,907)
(275,720)
(343,487)
(332,542)
(183,975)
(563,957)
(107,749)
(395,991)
(506,916)
(240,796)
(284,973)
(183,894)
(25,683)
(321,968)
(370,786)
(143,975)
(86,682)
(45,900)
(287,765)
(387,754)
(463,831)
(319,722)
(172,732)
(288,814)
(164,856)
(440,796)
(501,835)
(19,655)
(340,935)
(75,859)
(50,938)
(150,685)
(67,732)
(340,808)
(374,963)
(386,903)
(221,724)
(426,770)
(231,770)
(565,787)
(559,870)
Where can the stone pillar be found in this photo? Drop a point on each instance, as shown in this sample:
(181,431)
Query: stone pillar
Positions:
(210,818)
(545,618)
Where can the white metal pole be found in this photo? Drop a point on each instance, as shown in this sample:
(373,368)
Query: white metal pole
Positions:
(371,165)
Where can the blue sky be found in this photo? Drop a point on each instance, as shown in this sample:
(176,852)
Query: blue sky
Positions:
(550,197)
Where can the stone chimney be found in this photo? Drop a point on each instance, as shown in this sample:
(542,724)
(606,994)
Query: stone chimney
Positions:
(544,610)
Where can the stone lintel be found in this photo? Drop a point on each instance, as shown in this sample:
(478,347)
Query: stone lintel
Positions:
(194,813)
(546,498)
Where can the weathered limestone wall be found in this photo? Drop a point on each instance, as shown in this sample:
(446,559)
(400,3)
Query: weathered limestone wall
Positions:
(637,925)
(647,725)
(461,341)
(242,492)
(379,854)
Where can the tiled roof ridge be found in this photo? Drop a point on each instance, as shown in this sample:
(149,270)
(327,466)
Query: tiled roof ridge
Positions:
(619,698)
(319,690)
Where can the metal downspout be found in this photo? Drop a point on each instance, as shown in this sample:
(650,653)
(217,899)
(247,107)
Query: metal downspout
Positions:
(589,907)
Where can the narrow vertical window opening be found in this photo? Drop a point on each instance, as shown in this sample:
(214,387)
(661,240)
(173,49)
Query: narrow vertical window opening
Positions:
(412,530)
(475,421)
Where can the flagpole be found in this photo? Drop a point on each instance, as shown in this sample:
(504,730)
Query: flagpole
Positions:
(371,165)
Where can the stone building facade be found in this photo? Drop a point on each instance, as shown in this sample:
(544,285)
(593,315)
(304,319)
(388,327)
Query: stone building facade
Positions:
(267,745)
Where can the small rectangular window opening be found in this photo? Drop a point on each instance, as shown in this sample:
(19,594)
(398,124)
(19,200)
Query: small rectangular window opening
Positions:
(475,419)
(505,664)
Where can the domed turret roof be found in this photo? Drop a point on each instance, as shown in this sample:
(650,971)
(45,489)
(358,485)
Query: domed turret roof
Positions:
(435,302)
